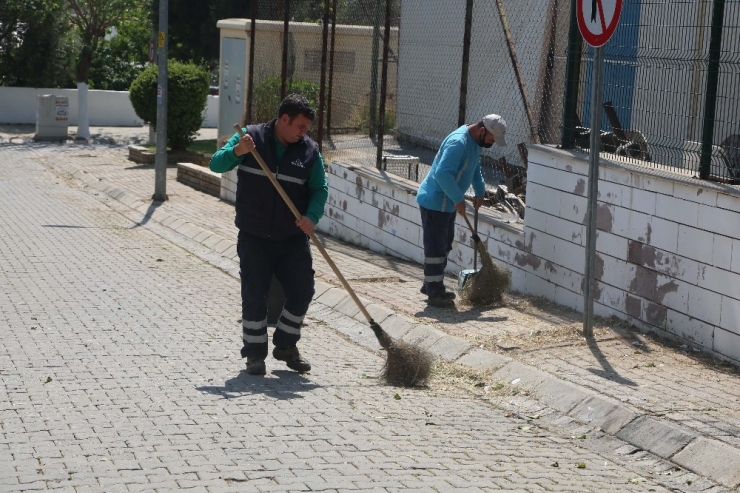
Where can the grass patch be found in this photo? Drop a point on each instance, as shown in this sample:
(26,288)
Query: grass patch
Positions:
(205,146)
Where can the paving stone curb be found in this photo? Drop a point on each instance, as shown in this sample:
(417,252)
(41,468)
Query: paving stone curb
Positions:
(708,457)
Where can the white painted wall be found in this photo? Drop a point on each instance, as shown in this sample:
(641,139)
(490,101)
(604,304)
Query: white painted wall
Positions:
(377,210)
(106,108)
(668,247)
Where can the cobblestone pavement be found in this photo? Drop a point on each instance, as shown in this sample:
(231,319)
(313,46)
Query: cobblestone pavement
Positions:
(121,372)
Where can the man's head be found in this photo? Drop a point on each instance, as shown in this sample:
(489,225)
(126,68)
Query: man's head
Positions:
(294,119)
(490,130)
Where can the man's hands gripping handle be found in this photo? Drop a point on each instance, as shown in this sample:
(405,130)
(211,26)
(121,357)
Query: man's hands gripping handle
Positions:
(246,145)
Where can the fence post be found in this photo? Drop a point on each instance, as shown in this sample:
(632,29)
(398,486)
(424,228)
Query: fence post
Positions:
(250,82)
(384,83)
(374,70)
(572,79)
(465,64)
(322,89)
(331,67)
(284,65)
(710,102)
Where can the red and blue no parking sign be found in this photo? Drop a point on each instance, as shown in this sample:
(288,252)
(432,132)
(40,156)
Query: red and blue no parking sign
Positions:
(598,19)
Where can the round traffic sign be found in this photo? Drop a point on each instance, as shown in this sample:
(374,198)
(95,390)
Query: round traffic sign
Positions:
(598,19)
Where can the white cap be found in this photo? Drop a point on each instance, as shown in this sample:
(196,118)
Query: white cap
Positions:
(497,126)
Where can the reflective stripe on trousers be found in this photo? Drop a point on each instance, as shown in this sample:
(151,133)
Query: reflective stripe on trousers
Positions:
(439,232)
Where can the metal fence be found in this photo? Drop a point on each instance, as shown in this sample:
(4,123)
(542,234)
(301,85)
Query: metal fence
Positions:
(392,78)
(671,97)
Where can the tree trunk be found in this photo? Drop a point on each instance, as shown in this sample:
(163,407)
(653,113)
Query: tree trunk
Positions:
(83,122)
(83,73)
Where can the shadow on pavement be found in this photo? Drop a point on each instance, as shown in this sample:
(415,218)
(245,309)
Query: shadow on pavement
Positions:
(607,372)
(459,314)
(150,210)
(287,385)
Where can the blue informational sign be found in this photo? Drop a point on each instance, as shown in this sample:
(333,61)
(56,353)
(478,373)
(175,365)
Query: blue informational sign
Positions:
(159,93)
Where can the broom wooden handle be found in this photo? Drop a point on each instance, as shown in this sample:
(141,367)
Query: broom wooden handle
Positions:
(475,227)
(476,238)
(311,235)
(470,226)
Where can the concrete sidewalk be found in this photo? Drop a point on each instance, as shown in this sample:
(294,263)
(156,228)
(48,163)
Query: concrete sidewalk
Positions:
(661,397)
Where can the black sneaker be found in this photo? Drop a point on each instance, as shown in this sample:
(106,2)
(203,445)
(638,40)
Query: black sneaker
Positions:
(423,289)
(443,300)
(292,358)
(445,295)
(256,366)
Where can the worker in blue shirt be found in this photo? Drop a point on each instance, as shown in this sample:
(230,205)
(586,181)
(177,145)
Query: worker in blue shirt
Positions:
(442,194)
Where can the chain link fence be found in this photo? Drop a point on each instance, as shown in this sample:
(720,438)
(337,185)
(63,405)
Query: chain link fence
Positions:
(392,78)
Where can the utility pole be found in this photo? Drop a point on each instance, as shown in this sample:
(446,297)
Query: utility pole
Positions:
(160,160)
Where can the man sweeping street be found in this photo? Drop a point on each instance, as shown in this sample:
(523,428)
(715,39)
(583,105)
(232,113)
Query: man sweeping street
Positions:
(442,194)
(271,240)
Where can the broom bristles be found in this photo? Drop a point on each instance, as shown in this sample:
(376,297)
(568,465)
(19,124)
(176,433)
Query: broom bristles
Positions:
(407,365)
(488,285)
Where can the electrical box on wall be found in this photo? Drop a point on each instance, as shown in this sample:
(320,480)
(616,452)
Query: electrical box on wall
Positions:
(52,117)
(232,84)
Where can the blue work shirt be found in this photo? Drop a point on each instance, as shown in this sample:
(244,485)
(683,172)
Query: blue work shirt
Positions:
(455,168)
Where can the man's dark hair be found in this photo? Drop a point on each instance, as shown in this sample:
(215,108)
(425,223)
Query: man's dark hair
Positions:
(294,105)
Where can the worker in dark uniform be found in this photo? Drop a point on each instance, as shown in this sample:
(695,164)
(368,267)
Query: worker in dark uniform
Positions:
(271,240)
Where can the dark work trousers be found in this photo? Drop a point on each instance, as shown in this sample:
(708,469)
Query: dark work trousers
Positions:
(291,263)
(439,231)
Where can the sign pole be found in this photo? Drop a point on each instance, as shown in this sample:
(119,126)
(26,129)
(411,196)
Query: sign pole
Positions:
(597,69)
(160,159)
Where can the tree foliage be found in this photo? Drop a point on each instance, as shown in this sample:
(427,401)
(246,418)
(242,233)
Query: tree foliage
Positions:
(120,59)
(193,33)
(37,47)
(93,19)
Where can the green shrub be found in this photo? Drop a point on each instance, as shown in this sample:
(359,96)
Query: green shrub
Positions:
(187,85)
(266,96)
